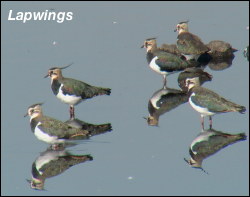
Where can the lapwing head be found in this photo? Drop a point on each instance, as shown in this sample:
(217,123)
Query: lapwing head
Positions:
(195,164)
(152,121)
(182,27)
(34,110)
(56,72)
(37,184)
(149,44)
(191,82)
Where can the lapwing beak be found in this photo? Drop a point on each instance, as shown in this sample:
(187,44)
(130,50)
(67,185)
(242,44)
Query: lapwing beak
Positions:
(26,115)
(175,30)
(142,46)
(186,161)
(46,76)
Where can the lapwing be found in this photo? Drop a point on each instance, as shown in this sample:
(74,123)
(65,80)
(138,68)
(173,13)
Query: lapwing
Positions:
(51,163)
(191,73)
(208,142)
(163,101)
(209,103)
(190,45)
(72,91)
(53,131)
(164,62)
(219,48)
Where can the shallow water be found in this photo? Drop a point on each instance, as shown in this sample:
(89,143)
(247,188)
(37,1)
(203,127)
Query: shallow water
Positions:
(103,40)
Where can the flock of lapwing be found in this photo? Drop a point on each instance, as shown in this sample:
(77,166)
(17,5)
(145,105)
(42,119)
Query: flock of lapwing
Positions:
(189,54)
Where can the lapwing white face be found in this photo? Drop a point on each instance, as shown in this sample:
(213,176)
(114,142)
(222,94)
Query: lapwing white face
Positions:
(34,111)
(54,73)
(181,27)
(152,121)
(148,44)
(191,82)
(194,164)
(36,183)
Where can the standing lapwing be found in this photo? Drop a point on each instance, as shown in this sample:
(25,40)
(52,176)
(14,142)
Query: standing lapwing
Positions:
(163,62)
(188,44)
(72,91)
(208,142)
(53,131)
(207,102)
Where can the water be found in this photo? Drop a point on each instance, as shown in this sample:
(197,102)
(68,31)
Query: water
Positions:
(103,40)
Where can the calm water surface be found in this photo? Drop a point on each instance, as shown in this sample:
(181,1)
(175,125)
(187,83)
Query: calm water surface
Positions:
(103,40)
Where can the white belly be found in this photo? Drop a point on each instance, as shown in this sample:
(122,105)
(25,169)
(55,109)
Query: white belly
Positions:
(203,110)
(45,137)
(69,99)
(155,67)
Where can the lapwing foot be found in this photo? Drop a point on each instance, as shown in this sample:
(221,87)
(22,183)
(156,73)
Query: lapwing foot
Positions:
(210,122)
(57,147)
(202,123)
(164,82)
(164,86)
(72,113)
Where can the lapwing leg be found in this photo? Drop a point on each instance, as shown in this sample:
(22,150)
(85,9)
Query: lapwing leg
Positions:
(210,122)
(57,147)
(202,122)
(164,81)
(72,112)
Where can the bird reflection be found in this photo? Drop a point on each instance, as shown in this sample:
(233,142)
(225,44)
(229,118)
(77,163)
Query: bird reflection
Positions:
(162,101)
(94,129)
(209,142)
(51,163)
(220,63)
(246,53)
(191,73)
